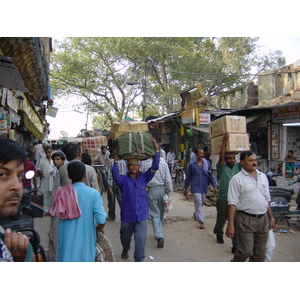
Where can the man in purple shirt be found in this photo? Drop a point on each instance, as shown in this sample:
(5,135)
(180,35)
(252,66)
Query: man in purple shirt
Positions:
(134,206)
(199,176)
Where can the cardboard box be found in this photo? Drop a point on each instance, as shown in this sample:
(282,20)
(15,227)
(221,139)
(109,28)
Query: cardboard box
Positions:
(238,142)
(114,135)
(130,126)
(230,124)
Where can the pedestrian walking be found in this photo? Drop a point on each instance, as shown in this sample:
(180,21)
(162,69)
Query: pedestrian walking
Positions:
(114,191)
(226,169)
(77,233)
(134,206)
(59,159)
(45,171)
(199,176)
(159,186)
(249,211)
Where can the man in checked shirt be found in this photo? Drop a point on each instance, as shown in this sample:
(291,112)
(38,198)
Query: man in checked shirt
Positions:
(158,187)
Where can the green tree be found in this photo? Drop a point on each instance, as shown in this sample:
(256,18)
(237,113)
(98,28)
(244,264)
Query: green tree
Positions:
(100,70)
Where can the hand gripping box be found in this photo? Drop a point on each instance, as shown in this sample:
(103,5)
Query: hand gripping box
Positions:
(237,142)
(230,124)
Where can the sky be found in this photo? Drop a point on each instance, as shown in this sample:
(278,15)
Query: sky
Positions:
(72,122)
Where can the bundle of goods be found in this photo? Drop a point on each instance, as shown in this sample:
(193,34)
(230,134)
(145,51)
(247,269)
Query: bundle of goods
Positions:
(135,145)
(119,128)
(238,139)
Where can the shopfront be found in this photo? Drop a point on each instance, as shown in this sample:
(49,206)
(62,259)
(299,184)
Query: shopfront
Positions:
(284,135)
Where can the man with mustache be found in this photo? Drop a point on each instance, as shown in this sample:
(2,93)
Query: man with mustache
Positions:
(13,246)
(249,209)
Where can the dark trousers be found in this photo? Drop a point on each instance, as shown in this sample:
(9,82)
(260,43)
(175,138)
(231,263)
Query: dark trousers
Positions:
(222,215)
(252,237)
(139,230)
(111,201)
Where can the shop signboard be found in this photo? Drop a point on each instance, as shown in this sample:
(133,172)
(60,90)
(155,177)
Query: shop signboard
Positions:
(188,116)
(204,119)
(286,113)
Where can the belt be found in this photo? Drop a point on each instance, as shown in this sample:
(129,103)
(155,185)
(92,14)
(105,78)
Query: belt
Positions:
(252,215)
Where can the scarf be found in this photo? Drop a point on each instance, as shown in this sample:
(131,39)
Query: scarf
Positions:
(65,204)
(205,165)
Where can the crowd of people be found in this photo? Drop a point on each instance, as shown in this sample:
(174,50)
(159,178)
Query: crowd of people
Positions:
(73,201)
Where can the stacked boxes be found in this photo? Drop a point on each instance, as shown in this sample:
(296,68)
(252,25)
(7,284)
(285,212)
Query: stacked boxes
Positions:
(119,128)
(236,127)
(92,145)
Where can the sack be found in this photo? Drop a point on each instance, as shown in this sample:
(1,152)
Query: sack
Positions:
(104,249)
(135,145)
(271,245)
(100,255)
(167,203)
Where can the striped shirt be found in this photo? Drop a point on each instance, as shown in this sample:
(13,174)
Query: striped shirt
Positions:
(122,169)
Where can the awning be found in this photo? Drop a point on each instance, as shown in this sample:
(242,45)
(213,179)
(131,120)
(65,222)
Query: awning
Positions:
(252,118)
(201,128)
(10,76)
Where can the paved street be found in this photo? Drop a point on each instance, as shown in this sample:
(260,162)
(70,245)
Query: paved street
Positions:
(184,241)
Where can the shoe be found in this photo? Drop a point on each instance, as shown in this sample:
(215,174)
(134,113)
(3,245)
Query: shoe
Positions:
(233,250)
(220,239)
(202,226)
(109,219)
(124,254)
(160,243)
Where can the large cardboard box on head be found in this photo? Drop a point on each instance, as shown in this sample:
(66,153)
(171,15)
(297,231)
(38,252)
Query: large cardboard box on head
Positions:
(119,128)
(230,124)
(130,126)
(237,142)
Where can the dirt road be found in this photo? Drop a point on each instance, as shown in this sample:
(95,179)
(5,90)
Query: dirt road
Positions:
(185,242)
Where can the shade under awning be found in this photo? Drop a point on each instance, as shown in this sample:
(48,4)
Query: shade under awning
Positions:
(10,76)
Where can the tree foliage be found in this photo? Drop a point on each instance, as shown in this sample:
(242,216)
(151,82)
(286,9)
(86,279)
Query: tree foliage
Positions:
(113,74)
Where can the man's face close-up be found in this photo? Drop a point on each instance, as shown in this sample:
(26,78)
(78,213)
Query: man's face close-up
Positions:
(134,169)
(11,188)
(249,163)
(230,161)
(200,153)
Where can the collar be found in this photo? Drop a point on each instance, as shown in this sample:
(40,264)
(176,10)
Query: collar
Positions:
(247,174)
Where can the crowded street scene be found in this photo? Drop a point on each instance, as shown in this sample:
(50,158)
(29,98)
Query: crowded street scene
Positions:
(148,149)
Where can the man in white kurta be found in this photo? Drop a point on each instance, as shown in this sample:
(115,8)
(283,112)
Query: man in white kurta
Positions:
(45,170)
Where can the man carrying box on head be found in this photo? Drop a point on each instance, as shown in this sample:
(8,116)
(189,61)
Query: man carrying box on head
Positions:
(226,169)
(134,206)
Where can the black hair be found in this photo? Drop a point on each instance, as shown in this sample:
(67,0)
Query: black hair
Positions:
(246,154)
(291,151)
(11,150)
(76,170)
(60,154)
(71,151)
(196,151)
(103,147)
(86,159)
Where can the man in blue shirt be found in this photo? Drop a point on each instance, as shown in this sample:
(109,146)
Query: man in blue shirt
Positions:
(134,206)
(199,176)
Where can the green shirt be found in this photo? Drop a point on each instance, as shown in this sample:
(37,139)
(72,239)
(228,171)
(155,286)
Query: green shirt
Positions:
(224,175)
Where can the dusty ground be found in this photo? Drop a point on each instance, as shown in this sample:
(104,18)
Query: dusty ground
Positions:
(185,242)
